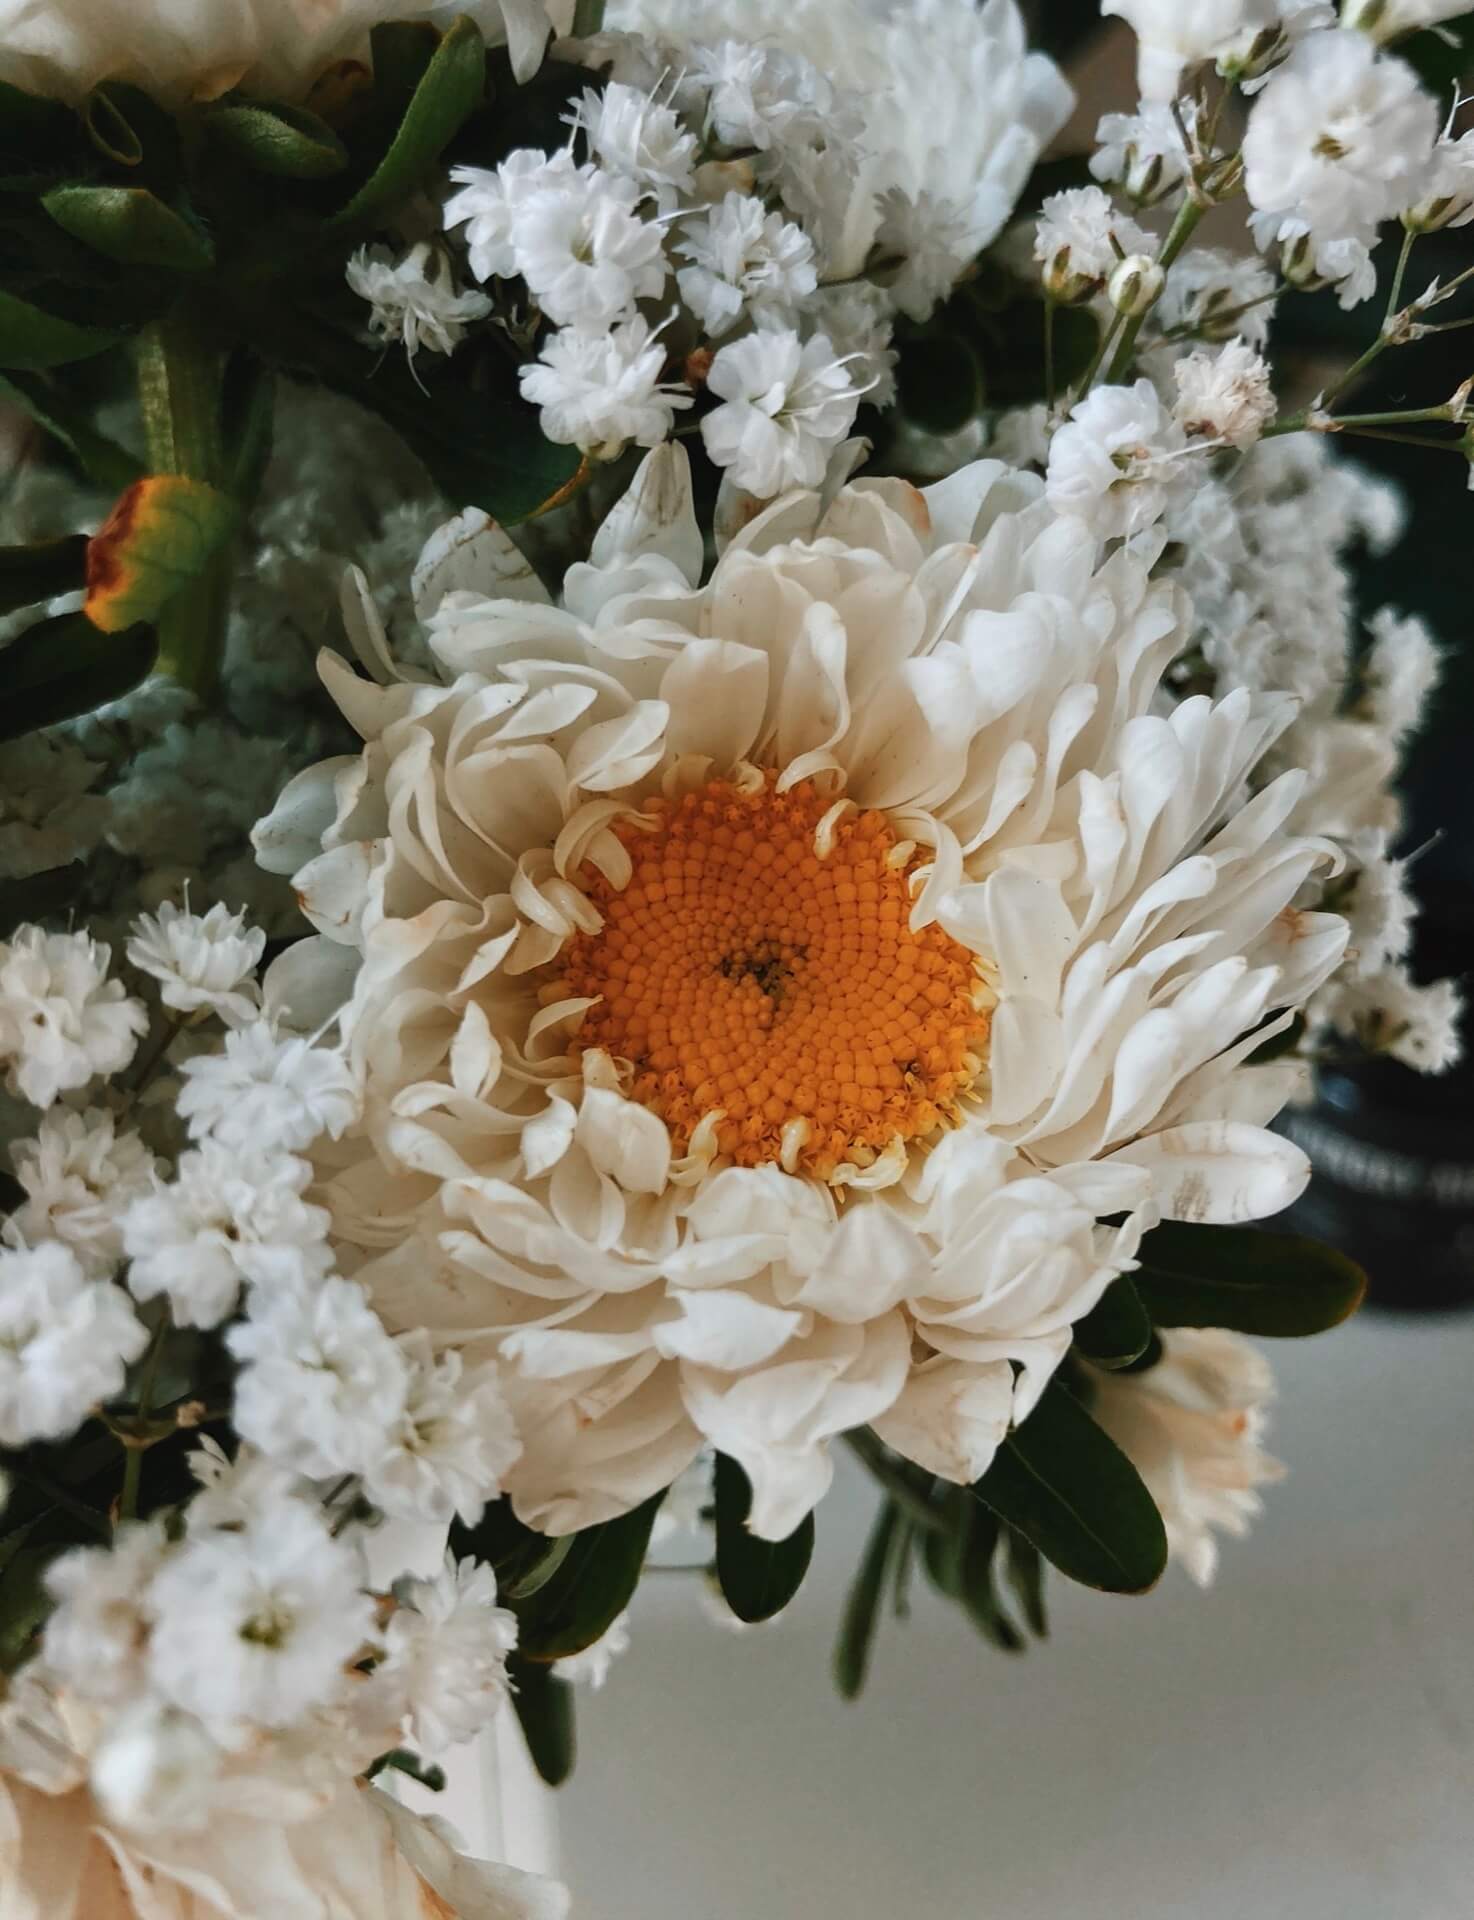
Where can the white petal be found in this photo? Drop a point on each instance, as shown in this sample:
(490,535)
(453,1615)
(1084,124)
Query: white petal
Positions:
(873,1261)
(624,1141)
(656,515)
(951,1418)
(727,1330)
(1220,1170)
(472,554)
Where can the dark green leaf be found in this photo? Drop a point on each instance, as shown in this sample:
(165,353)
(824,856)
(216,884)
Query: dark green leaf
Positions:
(1023,1566)
(1067,1487)
(249,418)
(31,339)
(66,666)
(110,129)
(40,896)
(1280,1285)
(939,381)
(758,1578)
(68,421)
(1116,1331)
(447,94)
(590,1588)
(522,1558)
(978,1592)
(942,1550)
(862,1609)
(286,141)
(1146,1361)
(544,1707)
(131,225)
(29,574)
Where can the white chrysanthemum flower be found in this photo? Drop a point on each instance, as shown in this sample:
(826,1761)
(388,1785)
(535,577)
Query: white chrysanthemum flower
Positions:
(1341,139)
(630,133)
(601,391)
(1143,153)
(786,405)
(1115,461)
(414,299)
(946,100)
(1077,237)
(201,961)
(62,1020)
(447,1645)
(591,1668)
(228,1218)
(100,1619)
(452,1444)
(267,1093)
(322,1385)
(743,260)
(254,1629)
(1224,396)
(791,996)
(583,249)
(1216,295)
(79,1175)
(1191,1426)
(186,50)
(65,1343)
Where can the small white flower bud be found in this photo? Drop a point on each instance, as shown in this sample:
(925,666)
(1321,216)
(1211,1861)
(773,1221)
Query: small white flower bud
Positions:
(1136,285)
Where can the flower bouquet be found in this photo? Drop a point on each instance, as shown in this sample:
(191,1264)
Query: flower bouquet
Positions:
(689,765)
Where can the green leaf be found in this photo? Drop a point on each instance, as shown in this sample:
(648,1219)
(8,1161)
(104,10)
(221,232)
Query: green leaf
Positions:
(978,1593)
(110,129)
(156,540)
(591,1587)
(523,1559)
(31,339)
(1279,1285)
(1116,1331)
(131,225)
(1068,1488)
(939,381)
(862,1609)
(1023,1567)
(29,574)
(942,1549)
(758,1578)
(285,141)
(62,667)
(24,1602)
(67,421)
(544,1707)
(446,96)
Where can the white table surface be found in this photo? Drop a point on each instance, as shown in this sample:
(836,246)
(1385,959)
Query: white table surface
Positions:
(1297,1743)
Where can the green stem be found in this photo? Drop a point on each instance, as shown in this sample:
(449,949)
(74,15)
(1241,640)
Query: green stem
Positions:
(134,1450)
(1183,229)
(588,18)
(1049,352)
(180,374)
(896,1482)
(1385,337)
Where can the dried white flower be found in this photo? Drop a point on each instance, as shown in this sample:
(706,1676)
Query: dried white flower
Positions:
(65,1343)
(630,133)
(1073,241)
(1142,153)
(228,1218)
(447,1645)
(415,299)
(264,1093)
(79,1175)
(487,205)
(202,961)
(601,391)
(1224,396)
(1401,672)
(787,405)
(586,254)
(1113,464)
(62,1020)
(743,260)
(451,1443)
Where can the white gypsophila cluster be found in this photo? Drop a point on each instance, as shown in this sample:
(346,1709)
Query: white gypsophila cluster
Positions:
(201,961)
(1224,396)
(1080,238)
(673,1228)
(1341,139)
(1117,462)
(1191,1426)
(79,1173)
(205,1698)
(66,1340)
(745,225)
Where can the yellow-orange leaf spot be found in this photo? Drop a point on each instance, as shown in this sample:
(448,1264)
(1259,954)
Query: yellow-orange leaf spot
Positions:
(740,970)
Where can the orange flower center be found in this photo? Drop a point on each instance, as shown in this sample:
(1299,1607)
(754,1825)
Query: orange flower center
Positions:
(741,971)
